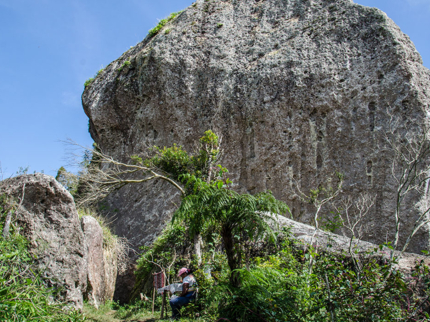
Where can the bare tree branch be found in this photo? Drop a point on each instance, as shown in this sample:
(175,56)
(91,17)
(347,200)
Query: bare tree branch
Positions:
(106,175)
(410,169)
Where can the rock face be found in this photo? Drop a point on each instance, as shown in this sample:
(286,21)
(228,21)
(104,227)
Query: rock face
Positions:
(94,242)
(298,89)
(50,222)
(102,263)
(111,271)
(70,253)
(339,244)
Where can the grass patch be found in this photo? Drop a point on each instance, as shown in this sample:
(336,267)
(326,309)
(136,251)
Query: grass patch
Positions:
(112,312)
(162,23)
(89,81)
(139,311)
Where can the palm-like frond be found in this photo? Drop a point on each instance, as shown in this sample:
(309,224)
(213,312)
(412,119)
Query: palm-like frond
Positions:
(227,207)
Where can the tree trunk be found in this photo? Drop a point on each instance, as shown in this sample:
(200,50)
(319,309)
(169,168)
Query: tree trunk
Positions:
(232,258)
(198,248)
(7,224)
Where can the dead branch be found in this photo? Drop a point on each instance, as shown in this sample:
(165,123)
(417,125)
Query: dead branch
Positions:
(410,169)
(106,175)
(353,212)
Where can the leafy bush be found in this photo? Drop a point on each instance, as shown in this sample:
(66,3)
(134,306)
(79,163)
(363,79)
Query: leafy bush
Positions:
(24,294)
(173,241)
(280,285)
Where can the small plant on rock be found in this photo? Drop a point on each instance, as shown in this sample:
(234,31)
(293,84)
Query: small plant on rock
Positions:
(89,81)
(162,23)
(126,63)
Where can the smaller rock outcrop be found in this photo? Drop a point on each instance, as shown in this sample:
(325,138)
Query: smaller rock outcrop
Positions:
(93,234)
(111,263)
(49,221)
(70,253)
(333,243)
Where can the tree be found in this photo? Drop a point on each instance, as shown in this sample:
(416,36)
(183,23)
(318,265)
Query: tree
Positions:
(411,171)
(236,214)
(68,180)
(104,175)
(206,195)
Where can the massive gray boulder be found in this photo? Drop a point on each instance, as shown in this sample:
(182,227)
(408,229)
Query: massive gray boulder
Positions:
(298,89)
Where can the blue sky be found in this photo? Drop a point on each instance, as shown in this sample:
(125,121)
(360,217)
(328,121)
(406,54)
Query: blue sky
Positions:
(48,48)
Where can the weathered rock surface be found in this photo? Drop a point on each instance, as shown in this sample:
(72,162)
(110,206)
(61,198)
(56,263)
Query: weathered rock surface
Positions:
(110,258)
(70,253)
(297,88)
(93,234)
(50,222)
(340,245)
(102,263)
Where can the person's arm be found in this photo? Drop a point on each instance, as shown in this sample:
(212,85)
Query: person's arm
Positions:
(185,288)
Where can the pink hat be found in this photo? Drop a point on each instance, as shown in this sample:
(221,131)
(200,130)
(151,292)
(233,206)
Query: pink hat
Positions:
(182,271)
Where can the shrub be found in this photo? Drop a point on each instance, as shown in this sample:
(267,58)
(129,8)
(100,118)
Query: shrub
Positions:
(279,285)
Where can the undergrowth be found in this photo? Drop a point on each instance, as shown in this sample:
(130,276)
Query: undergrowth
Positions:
(279,284)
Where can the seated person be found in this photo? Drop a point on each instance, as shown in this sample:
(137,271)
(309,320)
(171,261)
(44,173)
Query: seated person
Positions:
(189,289)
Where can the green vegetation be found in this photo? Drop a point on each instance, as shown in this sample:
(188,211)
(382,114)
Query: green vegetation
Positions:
(69,180)
(239,217)
(24,294)
(219,25)
(278,284)
(162,23)
(126,63)
(249,271)
(89,81)
(258,274)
